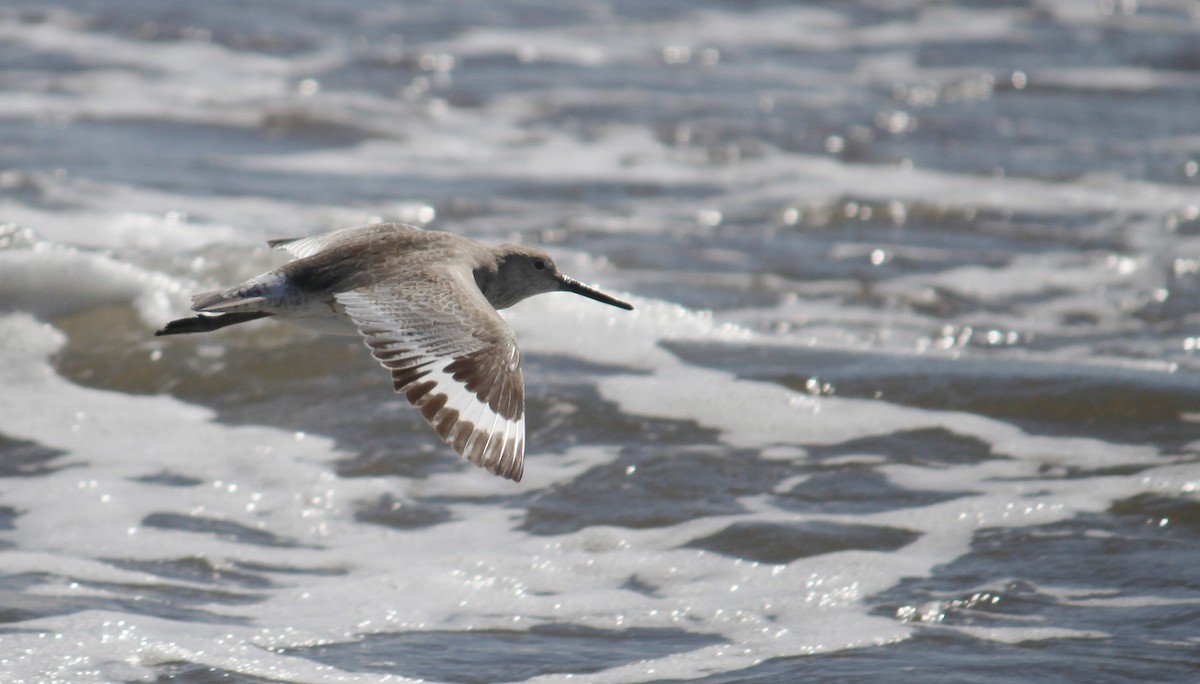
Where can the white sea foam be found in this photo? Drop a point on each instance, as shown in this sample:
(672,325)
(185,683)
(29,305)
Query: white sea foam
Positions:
(100,217)
(52,280)
(477,572)
(82,524)
(265,479)
(115,85)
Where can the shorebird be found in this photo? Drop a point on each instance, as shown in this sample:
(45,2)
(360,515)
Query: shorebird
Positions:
(425,303)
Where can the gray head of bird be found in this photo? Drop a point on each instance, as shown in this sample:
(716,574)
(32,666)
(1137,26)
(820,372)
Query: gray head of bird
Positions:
(519,272)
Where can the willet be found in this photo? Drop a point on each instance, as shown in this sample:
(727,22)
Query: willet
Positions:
(425,304)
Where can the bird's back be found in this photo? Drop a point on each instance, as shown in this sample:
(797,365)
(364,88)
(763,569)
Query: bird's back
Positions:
(340,261)
(375,254)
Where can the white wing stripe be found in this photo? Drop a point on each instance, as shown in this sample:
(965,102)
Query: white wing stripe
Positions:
(461,423)
(424,363)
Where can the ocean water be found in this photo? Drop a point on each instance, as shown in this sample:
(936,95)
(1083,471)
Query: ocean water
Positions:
(910,392)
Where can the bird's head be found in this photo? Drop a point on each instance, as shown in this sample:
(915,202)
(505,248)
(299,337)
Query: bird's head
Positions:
(522,272)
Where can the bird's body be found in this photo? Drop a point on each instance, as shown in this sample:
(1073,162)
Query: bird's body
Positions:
(425,303)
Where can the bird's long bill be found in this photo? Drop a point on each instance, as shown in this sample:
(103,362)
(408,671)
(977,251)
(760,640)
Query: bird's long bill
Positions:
(572,285)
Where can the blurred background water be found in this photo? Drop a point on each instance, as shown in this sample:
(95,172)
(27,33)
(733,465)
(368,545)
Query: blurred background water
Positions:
(910,392)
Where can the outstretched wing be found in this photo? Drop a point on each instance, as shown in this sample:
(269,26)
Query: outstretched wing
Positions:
(452,357)
(306,247)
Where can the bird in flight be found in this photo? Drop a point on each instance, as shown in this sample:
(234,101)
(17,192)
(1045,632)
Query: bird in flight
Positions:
(425,303)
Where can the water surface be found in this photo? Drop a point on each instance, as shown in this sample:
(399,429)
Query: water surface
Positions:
(910,392)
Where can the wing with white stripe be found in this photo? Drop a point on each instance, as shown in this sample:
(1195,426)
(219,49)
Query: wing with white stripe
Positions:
(452,357)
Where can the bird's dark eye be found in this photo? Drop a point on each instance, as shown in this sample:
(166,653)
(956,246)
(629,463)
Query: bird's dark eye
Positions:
(539,264)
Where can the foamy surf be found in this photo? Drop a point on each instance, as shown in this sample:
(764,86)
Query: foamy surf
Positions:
(909,386)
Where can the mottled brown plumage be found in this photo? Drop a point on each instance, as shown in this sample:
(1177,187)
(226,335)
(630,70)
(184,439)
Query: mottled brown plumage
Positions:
(425,304)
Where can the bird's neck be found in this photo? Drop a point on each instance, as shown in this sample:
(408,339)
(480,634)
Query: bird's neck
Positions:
(487,277)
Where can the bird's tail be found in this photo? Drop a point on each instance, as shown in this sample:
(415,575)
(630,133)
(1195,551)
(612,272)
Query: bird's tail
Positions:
(209,322)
